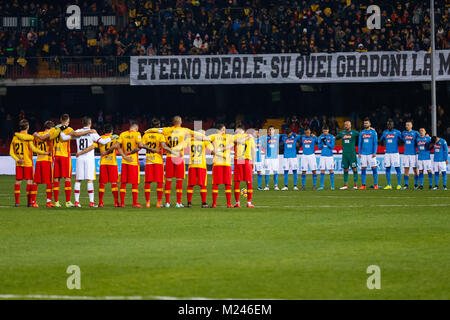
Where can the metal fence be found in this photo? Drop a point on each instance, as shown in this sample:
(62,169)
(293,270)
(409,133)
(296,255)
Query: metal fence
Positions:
(63,67)
(39,23)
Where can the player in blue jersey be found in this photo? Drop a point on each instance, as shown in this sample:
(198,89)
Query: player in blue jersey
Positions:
(326,144)
(271,161)
(290,161)
(409,159)
(424,158)
(391,137)
(440,161)
(259,159)
(367,152)
(308,143)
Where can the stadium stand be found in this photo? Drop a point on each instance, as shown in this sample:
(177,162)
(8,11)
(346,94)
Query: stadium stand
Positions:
(34,39)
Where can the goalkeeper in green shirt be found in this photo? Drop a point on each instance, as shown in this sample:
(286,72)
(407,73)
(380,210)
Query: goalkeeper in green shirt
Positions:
(349,140)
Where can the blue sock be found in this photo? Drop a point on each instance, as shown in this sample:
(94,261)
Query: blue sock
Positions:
(388,175)
(363,177)
(286,177)
(322,179)
(444,178)
(275,179)
(259,177)
(430,179)
(421,178)
(266,178)
(332,180)
(406,179)
(294,173)
(303,179)
(416,180)
(375,175)
(436,179)
(399,176)
(314,179)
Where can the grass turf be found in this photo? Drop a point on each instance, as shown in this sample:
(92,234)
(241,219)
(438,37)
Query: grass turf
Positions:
(294,245)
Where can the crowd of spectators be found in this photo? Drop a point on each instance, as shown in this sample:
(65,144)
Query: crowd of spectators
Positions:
(173,27)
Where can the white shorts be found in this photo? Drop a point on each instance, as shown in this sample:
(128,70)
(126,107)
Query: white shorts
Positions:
(440,166)
(409,161)
(424,165)
(289,163)
(309,161)
(368,161)
(326,163)
(259,166)
(271,165)
(392,160)
(85,169)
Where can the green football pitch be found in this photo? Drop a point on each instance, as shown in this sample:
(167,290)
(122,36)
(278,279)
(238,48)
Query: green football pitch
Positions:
(293,245)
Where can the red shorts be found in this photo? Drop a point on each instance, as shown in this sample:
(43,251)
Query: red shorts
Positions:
(43,172)
(129,174)
(175,168)
(24,173)
(63,167)
(197,177)
(221,174)
(154,172)
(109,173)
(243,171)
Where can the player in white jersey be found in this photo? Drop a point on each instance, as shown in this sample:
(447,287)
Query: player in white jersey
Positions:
(85,166)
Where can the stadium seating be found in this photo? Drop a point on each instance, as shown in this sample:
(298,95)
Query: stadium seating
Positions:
(117,29)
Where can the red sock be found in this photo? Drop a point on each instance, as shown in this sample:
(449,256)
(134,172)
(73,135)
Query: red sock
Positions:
(159,191)
(68,190)
(228,193)
(168,188)
(101,192)
(123,192)
(17,192)
(237,191)
(190,193)
(49,192)
(34,188)
(147,191)
(115,192)
(28,193)
(135,192)
(249,191)
(56,190)
(215,193)
(203,193)
(179,186)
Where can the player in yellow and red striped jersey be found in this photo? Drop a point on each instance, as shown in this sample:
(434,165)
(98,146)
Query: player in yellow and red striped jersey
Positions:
(130,141)
(244,153)
(109,171)
(223,143)
(154,143)
(43,173)
(61,135)
(22,152)
(197,174)
(175,166)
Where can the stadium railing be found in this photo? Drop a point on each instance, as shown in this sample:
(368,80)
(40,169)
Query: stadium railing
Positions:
(64,67)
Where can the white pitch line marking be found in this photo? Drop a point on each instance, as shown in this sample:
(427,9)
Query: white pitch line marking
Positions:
(66,297)
(369,206)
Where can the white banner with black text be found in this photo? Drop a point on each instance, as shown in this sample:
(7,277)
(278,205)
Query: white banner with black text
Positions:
(289,68)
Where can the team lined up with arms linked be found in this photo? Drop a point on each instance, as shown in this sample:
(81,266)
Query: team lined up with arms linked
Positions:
(252,152)
(53,146)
